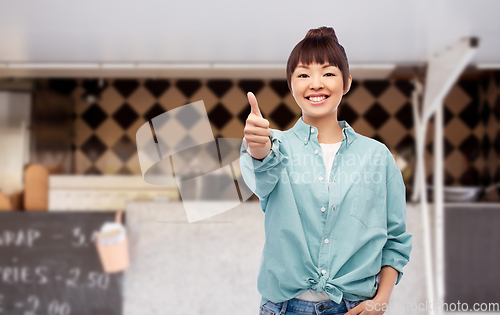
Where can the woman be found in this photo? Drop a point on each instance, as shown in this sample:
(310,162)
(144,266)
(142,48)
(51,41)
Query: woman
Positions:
(334,200)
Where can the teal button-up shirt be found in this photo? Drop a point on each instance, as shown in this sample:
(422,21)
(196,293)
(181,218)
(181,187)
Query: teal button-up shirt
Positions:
(331,235)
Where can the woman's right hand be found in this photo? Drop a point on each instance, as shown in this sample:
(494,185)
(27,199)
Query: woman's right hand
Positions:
(257,131)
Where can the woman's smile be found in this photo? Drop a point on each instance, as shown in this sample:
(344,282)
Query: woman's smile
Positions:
(317,99)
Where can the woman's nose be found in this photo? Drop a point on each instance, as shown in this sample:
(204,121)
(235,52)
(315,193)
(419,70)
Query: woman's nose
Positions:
(316,83)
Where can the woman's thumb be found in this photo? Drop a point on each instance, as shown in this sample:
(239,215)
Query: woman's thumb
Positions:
(253,104)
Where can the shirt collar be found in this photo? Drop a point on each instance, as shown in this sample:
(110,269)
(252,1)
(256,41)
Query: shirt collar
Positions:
(304,131)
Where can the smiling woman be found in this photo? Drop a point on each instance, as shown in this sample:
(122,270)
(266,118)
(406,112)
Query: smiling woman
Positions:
(319,46)
(318,77)
(336,224)
(318,90)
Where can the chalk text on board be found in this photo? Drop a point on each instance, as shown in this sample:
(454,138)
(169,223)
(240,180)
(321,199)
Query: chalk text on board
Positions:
(19,238)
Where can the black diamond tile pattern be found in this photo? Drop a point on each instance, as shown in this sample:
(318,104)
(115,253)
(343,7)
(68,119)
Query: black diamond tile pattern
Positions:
(354,86)
(219,87)
(470,115)
(471,177)
(485,177)
(280,87)
(496,146)
(253,86)
(486,146)
(484,82)
(405,86)
(376,116)
(94,116)
(347,113)
(243,114)
(496,77)
(124,148)
(154,111)
(126,87)
(485,113)
(188,87)
(481,112)
(470,87)
(447,115)
(63,86)
(125,116)
(378,138)
(405,115)
(407,143)
(376,87)
(219,116)
(157,87)
(93,148)
(470,148)
(448,147)
(448,179)
(94,87)
(497,108)
(282,116)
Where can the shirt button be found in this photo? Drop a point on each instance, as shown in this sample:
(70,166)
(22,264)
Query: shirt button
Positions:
(334,181)
(316,151)
(333,208)
(312,130)
(305,139)
(323,271)
(323,209)
(326,241)
(321,178)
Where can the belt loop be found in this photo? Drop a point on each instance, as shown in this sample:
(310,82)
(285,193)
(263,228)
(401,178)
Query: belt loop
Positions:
(347,304)
(283,308)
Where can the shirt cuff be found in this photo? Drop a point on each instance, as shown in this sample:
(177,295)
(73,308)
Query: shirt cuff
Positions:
(395,260)
(273,158)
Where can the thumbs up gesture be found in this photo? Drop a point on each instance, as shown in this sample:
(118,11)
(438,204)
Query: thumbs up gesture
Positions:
(257,131)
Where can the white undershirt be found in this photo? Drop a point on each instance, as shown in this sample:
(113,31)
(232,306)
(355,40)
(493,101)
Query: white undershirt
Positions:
(328,152)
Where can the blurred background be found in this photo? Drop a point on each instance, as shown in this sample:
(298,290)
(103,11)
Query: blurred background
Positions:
(77,80)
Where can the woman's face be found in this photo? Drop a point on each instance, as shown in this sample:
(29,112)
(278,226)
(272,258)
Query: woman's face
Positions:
(318,88)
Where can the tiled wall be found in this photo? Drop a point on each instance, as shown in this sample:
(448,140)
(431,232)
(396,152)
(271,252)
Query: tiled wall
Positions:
(105,128)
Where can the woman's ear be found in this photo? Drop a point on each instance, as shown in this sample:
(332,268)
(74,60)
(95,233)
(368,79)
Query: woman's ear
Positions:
(348,86)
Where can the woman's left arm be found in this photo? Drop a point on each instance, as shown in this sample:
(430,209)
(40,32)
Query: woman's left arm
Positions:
(396,251)
(388,276)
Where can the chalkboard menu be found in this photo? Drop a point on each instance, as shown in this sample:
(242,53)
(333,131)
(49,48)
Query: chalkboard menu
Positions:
(49,265)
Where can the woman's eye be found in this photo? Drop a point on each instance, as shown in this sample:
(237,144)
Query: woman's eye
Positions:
(330,74)
(302,75)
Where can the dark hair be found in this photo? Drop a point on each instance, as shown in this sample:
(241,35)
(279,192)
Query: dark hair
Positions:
(320,45)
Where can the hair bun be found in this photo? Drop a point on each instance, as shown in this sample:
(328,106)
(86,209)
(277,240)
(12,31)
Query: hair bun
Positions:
(322,31)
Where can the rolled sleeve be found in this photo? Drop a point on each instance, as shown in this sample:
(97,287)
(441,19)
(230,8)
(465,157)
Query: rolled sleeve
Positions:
(261,176)
(396,251)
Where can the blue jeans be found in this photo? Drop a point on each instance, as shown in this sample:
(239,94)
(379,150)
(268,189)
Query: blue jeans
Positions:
(299,307)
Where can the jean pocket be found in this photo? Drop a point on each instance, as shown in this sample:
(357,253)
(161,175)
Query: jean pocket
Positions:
(264,310)
(356,303)
(369,206)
